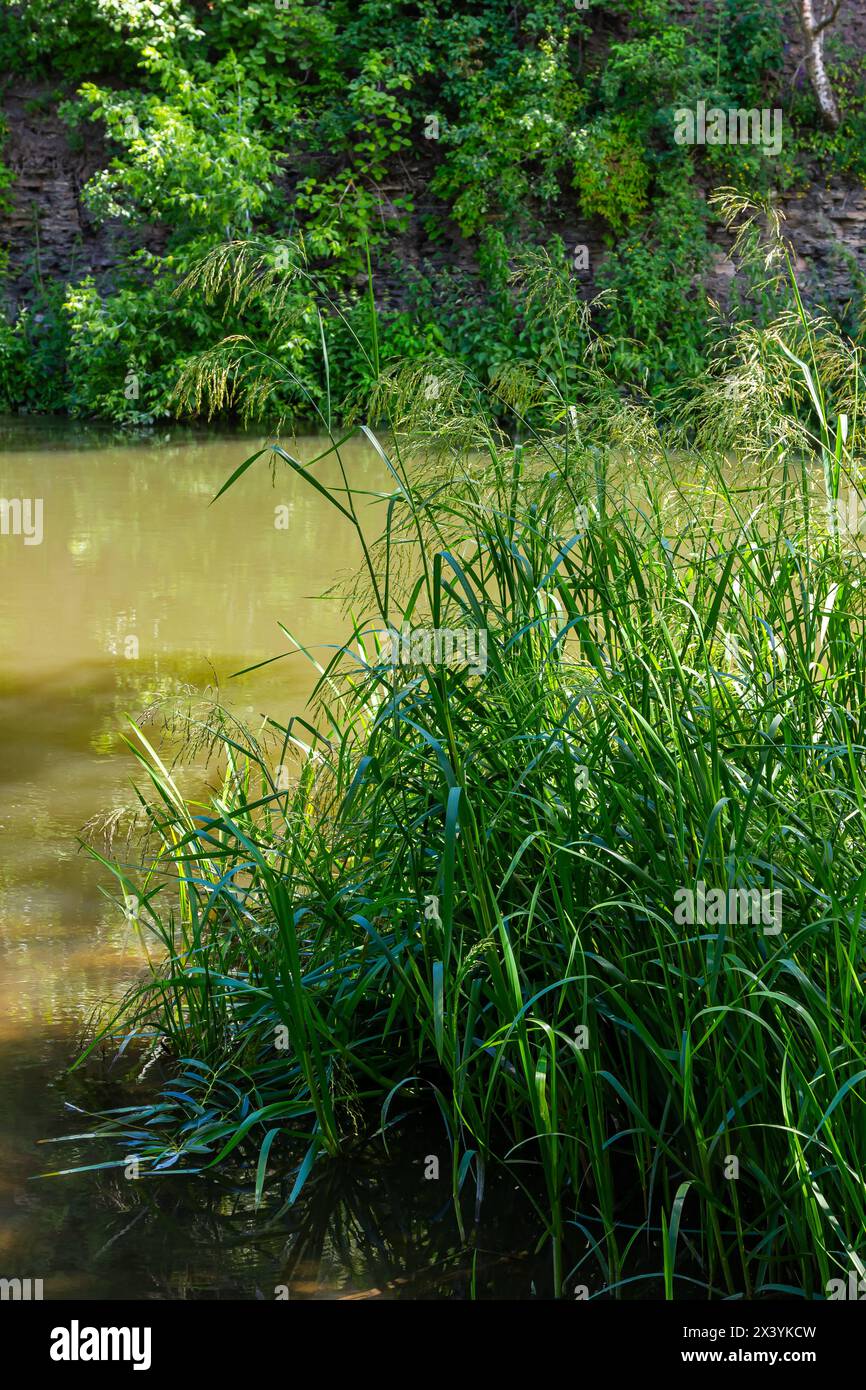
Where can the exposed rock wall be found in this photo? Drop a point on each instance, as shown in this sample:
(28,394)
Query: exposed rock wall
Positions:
(48,233)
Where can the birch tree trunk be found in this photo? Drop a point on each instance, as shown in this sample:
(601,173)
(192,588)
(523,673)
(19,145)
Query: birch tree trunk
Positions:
(813,37)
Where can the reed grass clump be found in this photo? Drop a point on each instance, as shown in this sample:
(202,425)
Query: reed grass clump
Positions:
(601,900)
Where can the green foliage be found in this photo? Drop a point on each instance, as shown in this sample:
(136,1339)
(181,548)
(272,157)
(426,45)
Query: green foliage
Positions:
(750,45)
(840,152)
(43,36)
(469,893)
(657,311)
(118,364)
(359,128)
(610,172)
(34,355)
(511,140)
(650,71)
(191,159)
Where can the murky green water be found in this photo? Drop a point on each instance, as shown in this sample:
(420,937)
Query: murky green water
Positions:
(138,592)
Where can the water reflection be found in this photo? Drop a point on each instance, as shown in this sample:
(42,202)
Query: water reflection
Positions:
(369,1227)
(139,592)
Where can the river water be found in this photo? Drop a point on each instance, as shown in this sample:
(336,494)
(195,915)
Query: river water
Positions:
(139,592)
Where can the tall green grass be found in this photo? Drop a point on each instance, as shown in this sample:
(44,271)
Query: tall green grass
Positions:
(468,891)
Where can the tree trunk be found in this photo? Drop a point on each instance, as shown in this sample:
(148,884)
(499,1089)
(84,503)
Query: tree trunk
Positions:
(813,36)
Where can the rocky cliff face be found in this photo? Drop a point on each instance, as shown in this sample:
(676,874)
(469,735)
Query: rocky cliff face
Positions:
(47,232)
(827,226)
(49,235)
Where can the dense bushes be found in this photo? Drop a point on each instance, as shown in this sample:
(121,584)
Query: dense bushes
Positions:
(345,126)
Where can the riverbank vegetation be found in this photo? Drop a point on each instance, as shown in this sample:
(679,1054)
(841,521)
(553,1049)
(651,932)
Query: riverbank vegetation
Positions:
(422,147)
(464,897)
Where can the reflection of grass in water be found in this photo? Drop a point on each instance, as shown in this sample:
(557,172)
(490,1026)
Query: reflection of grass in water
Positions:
(367,1227)
(467,892)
